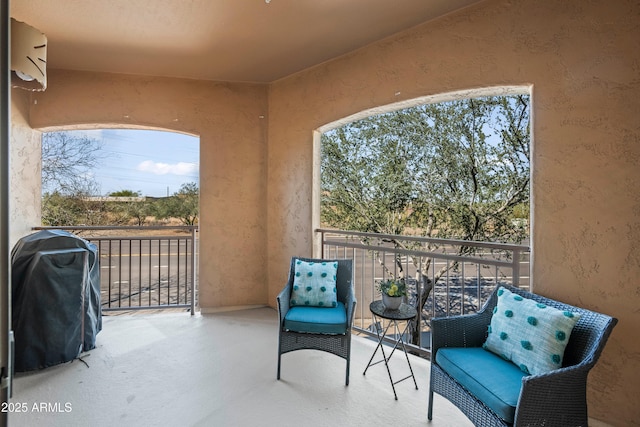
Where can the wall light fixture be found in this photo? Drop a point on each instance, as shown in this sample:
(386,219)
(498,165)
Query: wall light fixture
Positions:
(28,57)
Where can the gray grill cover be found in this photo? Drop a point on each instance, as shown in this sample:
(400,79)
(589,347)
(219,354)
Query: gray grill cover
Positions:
(56,313)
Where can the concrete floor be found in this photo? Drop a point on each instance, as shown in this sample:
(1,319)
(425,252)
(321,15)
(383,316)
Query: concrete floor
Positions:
(172,369)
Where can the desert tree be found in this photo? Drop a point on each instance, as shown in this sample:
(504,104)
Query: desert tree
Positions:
(183,204)
(68,159)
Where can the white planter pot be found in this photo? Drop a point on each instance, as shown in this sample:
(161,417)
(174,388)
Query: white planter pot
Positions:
(392,303)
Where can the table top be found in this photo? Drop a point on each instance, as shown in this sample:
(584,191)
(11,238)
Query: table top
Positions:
(405,312)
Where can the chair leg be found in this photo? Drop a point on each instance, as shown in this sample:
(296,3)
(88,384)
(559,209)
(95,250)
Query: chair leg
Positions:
(347,341)
(278,377)
(347,381)
(279,352)
(430,411)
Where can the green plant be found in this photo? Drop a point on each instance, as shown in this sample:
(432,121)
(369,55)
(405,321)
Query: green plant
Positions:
(392,287)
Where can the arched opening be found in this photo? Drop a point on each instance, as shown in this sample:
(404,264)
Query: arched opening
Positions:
(433,192)
(134,193)
(501,91)
(120,163)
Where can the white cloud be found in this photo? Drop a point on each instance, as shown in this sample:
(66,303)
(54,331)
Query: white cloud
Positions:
(180,168)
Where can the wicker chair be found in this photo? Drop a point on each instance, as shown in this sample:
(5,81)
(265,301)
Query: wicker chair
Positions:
(556,398)
(332,342)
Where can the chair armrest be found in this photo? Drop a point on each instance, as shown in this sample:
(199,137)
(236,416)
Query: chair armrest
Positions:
(558,396)
(283,302)
(459,331)
(350,305)
(469,330)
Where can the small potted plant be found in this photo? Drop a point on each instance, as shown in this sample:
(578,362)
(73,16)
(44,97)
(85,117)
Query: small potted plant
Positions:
(393,291)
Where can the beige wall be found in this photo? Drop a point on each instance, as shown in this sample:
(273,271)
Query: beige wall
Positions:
(581,58)
(25,165)
(230,120)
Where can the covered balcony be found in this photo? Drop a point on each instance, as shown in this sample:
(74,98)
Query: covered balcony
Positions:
(258,82)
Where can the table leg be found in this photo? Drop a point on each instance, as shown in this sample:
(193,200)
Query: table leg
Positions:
(379,346)
(404,348)
(385,359)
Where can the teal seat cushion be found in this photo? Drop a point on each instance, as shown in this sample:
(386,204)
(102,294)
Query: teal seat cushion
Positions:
(317,320)
(476,370)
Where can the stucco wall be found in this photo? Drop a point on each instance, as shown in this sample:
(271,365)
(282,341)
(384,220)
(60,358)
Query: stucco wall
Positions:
(582,59)
(230,120)
(25,165)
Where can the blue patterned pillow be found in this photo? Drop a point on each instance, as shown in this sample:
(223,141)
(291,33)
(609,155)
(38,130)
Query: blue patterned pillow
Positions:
(530,334)
(314,284)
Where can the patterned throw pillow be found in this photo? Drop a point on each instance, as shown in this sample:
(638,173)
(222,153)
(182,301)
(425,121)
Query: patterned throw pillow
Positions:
(314,284)
(530,334)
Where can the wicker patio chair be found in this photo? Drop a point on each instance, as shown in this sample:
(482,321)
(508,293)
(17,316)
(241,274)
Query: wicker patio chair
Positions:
(312,331)
(555,398)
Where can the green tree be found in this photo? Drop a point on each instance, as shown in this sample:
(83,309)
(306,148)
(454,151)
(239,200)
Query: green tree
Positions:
(138,211)
(125,193)
(451,170)
(183,204)
(77,209)
(59,210)
(127,210)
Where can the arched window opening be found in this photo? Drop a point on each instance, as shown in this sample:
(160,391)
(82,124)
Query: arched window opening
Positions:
(134,194)
(119,177)
(433,194)
(457,169)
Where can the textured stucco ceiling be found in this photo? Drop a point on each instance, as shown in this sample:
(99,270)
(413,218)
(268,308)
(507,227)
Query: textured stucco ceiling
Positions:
(226,40)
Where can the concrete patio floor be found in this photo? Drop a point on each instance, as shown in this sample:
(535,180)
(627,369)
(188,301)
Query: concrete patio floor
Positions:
(173,369)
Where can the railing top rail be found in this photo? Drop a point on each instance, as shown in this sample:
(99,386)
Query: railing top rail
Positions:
(185,237)
(492,245)
(464,258)
(118,227)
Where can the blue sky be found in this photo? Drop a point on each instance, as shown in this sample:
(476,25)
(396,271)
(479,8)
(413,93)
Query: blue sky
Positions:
(155,163)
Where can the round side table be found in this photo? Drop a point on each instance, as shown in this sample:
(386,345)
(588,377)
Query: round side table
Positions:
(405,313)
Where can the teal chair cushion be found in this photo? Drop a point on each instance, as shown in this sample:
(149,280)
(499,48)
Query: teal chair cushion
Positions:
(317,320)
(474,368)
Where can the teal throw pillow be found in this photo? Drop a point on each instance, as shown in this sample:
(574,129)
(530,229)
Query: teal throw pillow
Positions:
(530,334)
(314,284)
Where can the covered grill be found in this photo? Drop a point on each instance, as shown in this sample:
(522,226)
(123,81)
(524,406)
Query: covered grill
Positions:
(56,311)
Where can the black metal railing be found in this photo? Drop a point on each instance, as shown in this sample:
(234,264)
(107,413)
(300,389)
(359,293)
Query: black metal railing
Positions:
(444,277)
(152,267)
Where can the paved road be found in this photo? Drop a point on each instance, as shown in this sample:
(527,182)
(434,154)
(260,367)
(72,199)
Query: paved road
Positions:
(156,271)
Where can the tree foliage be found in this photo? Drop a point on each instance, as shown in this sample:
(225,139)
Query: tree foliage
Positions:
(60,209)
(78,209)
(138,211)
(453,170)
(125,193)
(183,204)
(457,170)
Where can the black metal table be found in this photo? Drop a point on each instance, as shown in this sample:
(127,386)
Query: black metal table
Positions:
(405,313)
